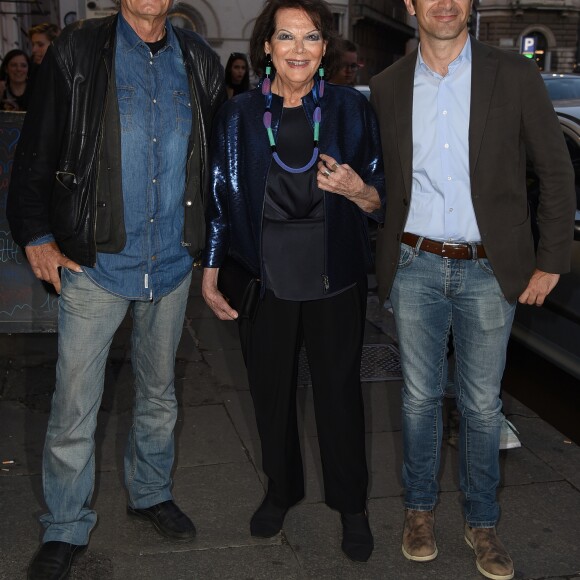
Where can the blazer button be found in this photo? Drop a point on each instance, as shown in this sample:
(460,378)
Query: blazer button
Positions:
(405,202)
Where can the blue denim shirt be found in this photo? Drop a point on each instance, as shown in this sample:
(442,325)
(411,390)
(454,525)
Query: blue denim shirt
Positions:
(155,116)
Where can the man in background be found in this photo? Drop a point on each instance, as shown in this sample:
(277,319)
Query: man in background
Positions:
(40,37)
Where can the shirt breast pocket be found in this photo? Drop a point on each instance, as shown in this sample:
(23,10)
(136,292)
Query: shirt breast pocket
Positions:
(182,105)
(125,97)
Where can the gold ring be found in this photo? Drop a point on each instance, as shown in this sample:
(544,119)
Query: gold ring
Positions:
(326,172)
(334,166)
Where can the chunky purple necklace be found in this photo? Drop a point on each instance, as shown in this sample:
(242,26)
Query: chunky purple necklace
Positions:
(317,93)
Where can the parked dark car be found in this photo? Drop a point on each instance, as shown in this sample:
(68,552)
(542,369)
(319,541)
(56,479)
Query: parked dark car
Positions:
(553,330)
(364,89)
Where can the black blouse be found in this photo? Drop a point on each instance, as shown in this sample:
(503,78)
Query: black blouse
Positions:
(293,229)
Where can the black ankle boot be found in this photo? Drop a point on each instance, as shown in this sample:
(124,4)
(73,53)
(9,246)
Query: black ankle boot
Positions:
(268,519)
(357,539)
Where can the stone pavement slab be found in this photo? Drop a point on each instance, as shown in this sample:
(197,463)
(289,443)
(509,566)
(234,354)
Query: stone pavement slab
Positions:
(220,500)
(551,447)
(541,528)
(228,367)
(254,562)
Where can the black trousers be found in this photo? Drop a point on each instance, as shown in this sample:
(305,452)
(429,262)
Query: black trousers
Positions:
(332,330)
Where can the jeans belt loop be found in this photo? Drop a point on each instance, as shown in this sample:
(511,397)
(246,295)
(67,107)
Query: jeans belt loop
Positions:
(418,245)
(473,251)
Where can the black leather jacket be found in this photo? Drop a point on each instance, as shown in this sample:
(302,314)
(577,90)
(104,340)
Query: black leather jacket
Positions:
(59,167)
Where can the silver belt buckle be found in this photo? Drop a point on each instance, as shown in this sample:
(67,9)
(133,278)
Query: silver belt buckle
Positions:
(457,245)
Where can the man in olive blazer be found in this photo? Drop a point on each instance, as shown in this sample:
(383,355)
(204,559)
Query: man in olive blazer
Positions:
(457,120)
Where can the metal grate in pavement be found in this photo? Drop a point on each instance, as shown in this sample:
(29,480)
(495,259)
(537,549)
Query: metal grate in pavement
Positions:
(380,362)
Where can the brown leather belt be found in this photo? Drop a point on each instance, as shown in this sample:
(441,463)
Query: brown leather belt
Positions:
(456,251)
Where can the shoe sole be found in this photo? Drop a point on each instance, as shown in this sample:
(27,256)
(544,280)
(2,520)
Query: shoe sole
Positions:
(159,529)
(485,572)
(420,558)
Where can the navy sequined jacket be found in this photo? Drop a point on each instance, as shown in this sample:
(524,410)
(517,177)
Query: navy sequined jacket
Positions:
(240,159)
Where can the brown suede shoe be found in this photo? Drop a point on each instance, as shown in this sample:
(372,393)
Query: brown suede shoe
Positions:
(419,537)
(492,559)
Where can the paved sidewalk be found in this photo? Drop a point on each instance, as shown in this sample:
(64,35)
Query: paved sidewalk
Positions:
(218,480)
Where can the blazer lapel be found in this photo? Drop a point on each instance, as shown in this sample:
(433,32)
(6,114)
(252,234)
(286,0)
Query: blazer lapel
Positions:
(483,71)
(403,97)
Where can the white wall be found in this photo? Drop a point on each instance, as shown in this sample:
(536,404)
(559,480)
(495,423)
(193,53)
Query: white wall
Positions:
(227,24)
(230,22)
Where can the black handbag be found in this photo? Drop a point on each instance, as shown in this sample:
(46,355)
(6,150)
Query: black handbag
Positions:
(240,287)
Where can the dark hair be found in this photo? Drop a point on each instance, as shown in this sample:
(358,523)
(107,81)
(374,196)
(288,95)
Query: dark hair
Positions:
(245,84)
(334,57)
(6,60)
(265,26)
(345,45)
(50,30)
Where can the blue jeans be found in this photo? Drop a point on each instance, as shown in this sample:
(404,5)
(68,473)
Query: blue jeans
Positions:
(430,294)
(88,319)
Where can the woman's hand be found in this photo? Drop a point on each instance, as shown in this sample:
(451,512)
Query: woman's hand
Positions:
(213,297)
(344,180)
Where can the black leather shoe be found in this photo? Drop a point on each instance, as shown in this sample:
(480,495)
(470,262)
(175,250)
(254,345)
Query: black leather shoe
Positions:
(268,519)
(357,540)
(53,561)
(168,520)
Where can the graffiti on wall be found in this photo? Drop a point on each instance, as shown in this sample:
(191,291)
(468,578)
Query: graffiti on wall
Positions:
(26,303)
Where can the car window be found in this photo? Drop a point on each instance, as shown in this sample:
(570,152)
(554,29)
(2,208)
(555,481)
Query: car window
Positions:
(533,183)
(563,88)
(574,150)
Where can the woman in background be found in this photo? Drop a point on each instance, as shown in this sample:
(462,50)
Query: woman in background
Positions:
(237,74)
(14,74)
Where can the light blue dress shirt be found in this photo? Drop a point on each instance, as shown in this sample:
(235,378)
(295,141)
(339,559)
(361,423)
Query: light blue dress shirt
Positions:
(441,206)
(155,116)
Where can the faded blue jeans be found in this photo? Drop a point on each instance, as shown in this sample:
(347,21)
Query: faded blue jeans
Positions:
(430,294)
(88,319)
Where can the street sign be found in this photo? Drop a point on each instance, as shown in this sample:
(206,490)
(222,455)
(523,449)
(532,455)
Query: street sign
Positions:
(528,47)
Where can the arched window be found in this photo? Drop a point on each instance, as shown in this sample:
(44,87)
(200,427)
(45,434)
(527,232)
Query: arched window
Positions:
(186,17)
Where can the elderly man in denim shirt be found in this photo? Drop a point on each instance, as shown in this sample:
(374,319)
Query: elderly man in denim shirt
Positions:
(115,201)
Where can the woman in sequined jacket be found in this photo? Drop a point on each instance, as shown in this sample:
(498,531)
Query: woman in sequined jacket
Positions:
(296,173)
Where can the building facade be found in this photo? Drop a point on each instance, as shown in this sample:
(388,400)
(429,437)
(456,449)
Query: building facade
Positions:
(383,32)
(382,29)
(549,28)
(225,24)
